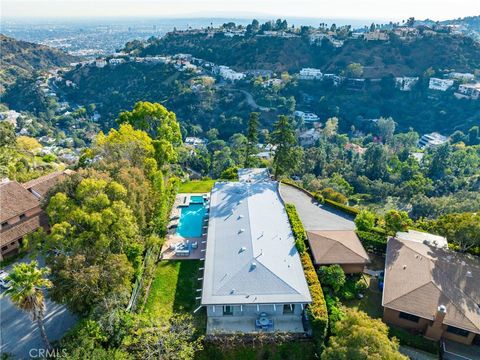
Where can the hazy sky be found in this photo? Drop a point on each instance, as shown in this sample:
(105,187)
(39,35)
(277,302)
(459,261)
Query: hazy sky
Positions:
(352,9)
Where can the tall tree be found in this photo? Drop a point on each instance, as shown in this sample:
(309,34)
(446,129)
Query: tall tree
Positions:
(283,137)
(160,124)
(252,138)
(357,336)
(26,283)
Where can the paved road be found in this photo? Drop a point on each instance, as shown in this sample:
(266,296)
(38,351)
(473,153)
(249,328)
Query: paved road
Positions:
(315,217)
(18,334)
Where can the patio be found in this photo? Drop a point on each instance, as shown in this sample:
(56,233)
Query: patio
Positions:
(177,247)
(247,324)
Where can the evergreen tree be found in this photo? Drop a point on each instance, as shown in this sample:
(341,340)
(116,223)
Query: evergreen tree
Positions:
(283,137)
(252,138)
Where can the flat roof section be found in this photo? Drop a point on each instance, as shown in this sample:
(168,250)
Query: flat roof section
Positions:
(251,256)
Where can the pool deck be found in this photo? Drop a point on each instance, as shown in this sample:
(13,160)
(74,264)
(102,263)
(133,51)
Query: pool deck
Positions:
(182,200)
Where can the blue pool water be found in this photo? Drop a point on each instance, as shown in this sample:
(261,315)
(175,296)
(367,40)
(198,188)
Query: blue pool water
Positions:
(191,220)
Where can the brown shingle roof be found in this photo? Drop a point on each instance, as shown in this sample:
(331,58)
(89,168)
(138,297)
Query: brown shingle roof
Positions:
(336,247)
(23,228)
(421,277)
(15,200)
(44,183)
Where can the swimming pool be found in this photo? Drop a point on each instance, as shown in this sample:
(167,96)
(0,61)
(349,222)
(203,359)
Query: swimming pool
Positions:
(191,220)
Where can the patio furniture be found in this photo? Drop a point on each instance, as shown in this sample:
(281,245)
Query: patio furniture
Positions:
(182,252)
(194,245)
(263,322)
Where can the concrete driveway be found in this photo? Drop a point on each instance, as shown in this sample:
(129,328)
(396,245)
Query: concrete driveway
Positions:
(315,217)
(18,334)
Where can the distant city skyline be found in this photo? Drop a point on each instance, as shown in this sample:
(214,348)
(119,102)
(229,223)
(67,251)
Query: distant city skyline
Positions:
(386,10)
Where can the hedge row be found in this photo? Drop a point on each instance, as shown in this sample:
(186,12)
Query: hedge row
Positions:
(297,228)
(373,242)
(317,311)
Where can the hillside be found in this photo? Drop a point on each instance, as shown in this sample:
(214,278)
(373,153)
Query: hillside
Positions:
(21,58)
(400,58)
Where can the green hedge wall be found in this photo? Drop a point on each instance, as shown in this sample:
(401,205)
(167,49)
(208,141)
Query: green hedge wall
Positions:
(415,341)
(373,241)
(297,228)
(317,311)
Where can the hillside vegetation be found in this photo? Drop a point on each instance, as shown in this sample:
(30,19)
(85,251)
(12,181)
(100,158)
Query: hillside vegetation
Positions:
(21,58)
(395,57)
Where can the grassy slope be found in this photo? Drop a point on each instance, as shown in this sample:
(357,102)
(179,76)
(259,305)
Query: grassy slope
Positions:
(196,186)
(174,288)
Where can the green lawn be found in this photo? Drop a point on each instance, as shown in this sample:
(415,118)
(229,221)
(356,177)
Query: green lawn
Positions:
(174,288)
(196,186)
(371,302)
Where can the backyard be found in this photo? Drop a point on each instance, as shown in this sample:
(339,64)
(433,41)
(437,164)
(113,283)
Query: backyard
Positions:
(174,288)
(196,186)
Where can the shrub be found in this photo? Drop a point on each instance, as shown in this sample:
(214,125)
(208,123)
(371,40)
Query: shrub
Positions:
(317,196)
(365,220)
(332,276)
(373,242)
(329,193)
(297,228)
(345,208)
(230,174)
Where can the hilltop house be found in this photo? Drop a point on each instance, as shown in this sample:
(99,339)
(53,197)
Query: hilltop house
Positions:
(376,35)
(430,289)
(21,211)
(253,278)
(440,84)
(405,83)
(471,91)
(432,139)
(310,74)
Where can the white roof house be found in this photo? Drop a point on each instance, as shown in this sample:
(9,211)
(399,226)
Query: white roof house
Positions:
(440,84)
(310,74)
(432,139)
(251,257)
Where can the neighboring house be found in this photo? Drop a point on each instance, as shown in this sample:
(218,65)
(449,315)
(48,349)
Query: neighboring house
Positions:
(10,116)
(253,278)
(310,74)
(471,91)
(440,84)
(355,148)
(432,139)
(342,247)
(430,289)
(405,83)
(307,117)
(376,36)
(229,74)
(309,137)
(100,63)
(461,76)
(21,211)
(194,141)
(116,61)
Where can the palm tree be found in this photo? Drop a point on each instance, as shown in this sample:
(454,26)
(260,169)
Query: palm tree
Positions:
(26,283)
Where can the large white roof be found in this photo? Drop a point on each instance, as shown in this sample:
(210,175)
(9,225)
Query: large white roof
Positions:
(251,256)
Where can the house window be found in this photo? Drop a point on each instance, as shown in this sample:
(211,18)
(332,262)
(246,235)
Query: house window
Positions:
(22,216)
(408,317)
(228,310)
(4,248)
(457,331)
(288,308)
(4,224)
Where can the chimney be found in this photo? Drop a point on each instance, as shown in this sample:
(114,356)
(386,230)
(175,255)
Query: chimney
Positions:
(435,330)
(440,315)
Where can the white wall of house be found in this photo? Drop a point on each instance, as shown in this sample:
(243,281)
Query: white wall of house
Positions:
(253,310)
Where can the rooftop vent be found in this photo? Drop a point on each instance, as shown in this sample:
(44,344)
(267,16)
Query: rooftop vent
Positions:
(404,267)
(469,274)
(242,249)
(240,216)
(241,231)
(232,291)
(253,266)
(442,309)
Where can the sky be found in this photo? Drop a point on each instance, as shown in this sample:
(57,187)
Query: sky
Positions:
(322,9)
